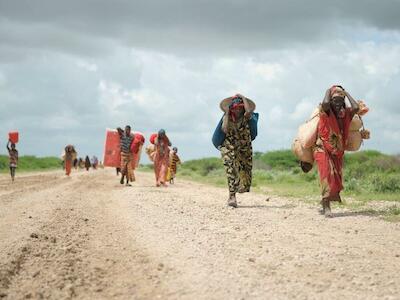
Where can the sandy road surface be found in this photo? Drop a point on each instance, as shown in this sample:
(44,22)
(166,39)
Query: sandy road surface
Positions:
(86,237)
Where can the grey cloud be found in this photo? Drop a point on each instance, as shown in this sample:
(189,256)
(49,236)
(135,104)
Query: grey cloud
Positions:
(89,27)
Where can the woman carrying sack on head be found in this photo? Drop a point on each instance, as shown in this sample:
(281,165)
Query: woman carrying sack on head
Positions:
(236,149)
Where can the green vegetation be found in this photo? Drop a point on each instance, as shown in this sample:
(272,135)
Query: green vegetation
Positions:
(31,163)
(368,176)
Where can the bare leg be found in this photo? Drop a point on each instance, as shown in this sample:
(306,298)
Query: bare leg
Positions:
(326,208)
(12,172)
(232,200)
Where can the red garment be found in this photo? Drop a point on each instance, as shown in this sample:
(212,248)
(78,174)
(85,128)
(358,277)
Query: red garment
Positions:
(234,108)
(161,160)
(68,166)
(330,151)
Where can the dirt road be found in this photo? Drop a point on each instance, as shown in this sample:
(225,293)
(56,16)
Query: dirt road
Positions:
(87,237)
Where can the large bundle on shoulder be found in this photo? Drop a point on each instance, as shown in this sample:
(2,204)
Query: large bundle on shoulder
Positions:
(151,149)
(136,148)
(357,131)
(303,145)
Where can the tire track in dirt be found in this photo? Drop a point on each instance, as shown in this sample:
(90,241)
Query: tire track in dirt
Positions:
(78,252)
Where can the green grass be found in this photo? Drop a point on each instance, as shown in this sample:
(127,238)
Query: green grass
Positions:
(368,176)
(31,163)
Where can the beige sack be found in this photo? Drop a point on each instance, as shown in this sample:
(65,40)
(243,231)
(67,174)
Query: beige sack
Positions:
(151,151)
(354,141)
(356,123)
(307,134)
(303,154)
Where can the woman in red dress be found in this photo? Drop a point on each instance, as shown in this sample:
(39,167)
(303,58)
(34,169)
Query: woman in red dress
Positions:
(161,158)
(333,132)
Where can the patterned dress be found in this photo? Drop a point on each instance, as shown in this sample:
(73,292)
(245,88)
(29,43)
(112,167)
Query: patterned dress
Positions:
(237,156)
(329,153)
(174,160)
(13,157)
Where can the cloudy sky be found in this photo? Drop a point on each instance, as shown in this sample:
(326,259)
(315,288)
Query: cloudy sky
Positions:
(71,69)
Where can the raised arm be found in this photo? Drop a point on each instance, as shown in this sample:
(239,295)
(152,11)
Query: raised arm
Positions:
(120,131)
(326,102)
(353,103)
(225,123)
(8,145)
(247,109)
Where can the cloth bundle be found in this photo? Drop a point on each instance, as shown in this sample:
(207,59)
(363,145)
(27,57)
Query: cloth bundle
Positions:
(357,132)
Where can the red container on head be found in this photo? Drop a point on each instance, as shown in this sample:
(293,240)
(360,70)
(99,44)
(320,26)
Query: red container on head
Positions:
(13,136)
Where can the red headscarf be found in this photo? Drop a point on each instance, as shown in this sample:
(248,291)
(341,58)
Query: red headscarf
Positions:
(236,106)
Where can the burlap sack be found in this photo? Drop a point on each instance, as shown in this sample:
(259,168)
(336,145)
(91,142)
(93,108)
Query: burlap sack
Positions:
(303,154)
(307,134)
(356,123)
(354,141)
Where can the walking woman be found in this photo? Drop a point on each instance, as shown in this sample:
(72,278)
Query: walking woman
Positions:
(87,163)
(69,157)
(236,150)
(333,133)
(161,158)
(13,157)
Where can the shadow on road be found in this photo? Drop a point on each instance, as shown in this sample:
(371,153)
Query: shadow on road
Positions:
(366,213)
(286,206)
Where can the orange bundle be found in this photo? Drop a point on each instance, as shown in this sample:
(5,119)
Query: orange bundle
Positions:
(363,109)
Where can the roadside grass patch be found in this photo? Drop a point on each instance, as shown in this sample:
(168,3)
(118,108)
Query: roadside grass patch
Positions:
(368,176)
(31,163)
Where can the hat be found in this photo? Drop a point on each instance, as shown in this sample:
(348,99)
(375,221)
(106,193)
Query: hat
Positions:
(224,105)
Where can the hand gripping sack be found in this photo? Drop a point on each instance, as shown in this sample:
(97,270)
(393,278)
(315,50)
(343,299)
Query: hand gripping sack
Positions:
(307,134)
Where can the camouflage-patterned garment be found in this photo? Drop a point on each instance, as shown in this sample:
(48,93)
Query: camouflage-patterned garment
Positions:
(237,155)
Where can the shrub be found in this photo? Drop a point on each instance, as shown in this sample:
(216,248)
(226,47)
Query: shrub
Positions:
(282,159)
(384,183)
